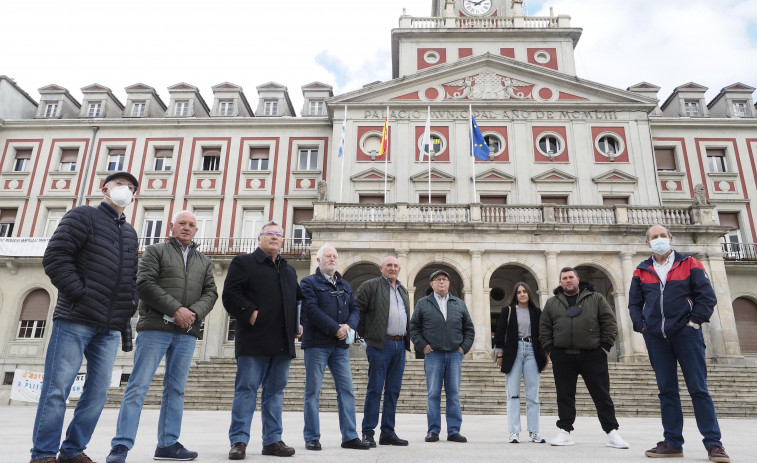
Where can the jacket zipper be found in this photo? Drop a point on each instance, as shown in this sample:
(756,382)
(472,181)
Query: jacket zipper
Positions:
(118,282)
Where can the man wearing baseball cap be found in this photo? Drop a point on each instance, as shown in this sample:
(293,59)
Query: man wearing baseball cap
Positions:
(442,328)
(92,261)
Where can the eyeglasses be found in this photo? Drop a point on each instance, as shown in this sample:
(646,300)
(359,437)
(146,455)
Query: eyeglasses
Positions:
(121,182)
(272,233)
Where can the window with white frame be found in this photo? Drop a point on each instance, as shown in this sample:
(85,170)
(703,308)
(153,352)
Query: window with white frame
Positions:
(116,158)
(550,144)
(308,159)
(204,223)
(51,109)
(68,157)
(7,221)
(733,237)
(33,319)
(317,108)
(23,160)
(691,108)
(163,157)
(252,220)
(609,144)
(259,157)
(271,108)
(152,230)
(231,328)
(300,235)
(53,219)
(181,108)
(94,110)
(739,108)
(226,108)
(138,109)
(716,160)
(211,159)
(496,144)
(438,144)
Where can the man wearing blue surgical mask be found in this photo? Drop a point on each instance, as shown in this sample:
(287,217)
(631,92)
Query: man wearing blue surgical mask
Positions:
(670,297)
(577,330)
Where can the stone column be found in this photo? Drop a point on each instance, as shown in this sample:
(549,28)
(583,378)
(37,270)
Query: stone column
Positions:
(553,274)
(724,340)
(479,311)
(633,348)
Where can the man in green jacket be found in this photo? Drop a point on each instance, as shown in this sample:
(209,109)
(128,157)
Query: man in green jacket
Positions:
(442,328)
(577,330)
(177,291)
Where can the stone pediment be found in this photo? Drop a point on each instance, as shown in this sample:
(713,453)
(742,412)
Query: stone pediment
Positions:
(182,86)
(436,176)
(271,86)
(615,176)
(492,78)
(553,176)
(494,175)
(52,88)
(226,86)
(317,86)
(139,87)
(371,175)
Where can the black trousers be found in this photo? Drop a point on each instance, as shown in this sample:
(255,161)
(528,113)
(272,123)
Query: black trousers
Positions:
(592,366)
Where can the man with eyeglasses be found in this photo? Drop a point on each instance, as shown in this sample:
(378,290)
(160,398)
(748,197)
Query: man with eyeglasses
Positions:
(577,330)
(442,328)
(92,261)
(261,293)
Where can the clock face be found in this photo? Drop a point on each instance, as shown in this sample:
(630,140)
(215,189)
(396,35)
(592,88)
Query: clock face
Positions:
(477,7)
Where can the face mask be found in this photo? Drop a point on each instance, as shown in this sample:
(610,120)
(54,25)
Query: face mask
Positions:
(660,245)
(121,196)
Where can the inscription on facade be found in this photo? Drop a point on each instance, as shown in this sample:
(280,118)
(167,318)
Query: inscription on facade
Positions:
(505,114)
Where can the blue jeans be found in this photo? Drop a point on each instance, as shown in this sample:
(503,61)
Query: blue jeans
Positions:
(338,361)
(151,346)
(525,366)
(686,347)
(443,367)
(69,343)
(252,372)
(385,369)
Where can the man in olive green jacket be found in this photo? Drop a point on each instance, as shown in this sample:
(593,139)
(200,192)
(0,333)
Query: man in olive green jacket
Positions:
(177,291)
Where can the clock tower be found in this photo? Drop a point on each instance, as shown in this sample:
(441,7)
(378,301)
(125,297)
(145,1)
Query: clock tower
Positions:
(458,29)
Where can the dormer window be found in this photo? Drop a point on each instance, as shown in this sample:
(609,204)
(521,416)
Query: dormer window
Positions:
(181,109)
(226,108)
(94,109)
(271,108)
(138,109)
(51,110)
(692,108)
(316,108)
(739,108)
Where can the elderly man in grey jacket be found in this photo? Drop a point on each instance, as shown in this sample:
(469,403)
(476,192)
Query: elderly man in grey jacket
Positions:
(177,290)
(442,328)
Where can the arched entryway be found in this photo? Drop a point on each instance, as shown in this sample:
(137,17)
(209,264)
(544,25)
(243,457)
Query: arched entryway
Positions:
(501,286)
(361,272)
(422,282)
(745,313)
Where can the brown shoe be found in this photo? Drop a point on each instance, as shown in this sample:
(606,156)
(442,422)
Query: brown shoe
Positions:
(80,458)
(280,449)
(717,453)
(238,451)
(44,460)
(664,450)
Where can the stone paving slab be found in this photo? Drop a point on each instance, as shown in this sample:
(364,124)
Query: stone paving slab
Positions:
(206,432)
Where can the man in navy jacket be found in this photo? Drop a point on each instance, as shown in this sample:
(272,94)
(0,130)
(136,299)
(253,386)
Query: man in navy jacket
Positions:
(330,313)
(670,298)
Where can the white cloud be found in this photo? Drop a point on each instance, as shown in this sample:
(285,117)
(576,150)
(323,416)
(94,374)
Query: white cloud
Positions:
(346,43)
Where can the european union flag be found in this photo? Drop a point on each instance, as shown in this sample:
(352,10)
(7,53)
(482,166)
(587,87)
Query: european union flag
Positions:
(479,149)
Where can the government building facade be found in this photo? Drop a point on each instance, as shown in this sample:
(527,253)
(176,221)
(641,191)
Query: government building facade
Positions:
(577,171)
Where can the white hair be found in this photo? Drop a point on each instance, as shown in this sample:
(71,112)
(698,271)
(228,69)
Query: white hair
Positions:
(269,224)
(176,216)
(383,261)
(323,248)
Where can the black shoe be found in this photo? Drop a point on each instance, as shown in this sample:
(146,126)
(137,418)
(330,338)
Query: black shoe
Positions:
(368,439)
(356,444)
(391,440)
(280,449)
(174,452)
(456,438)
(432,437)
(313,445)
(238,451)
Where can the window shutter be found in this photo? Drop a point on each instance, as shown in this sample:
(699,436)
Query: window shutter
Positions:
(36,305)
(665,158)
(259,153)
(8,215)
(69,154)
(729,219)
(301,215)
(24,153)
(163,152)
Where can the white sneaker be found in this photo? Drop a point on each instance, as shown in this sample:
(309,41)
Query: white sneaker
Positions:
(514,438)
(562,438)
(536,437)
(614,440)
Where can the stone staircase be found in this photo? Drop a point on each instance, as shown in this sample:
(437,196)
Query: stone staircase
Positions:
(633,388)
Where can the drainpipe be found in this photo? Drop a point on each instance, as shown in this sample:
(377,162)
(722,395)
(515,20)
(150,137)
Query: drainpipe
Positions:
(80,199)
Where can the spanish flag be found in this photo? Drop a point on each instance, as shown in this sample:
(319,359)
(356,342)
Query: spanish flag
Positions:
(385,135)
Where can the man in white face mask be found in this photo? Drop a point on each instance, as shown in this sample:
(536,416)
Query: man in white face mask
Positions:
(92,261)
(670,298)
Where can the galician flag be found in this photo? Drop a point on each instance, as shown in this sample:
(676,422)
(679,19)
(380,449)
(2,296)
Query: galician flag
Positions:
(344,125)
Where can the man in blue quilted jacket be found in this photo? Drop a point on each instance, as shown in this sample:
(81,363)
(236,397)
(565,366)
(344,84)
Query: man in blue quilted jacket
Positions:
(670,298)
(92,261)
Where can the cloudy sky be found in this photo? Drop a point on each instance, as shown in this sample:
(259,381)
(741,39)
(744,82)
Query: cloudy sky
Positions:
(346,43)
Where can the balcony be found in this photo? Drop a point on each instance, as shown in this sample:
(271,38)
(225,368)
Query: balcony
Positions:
(740,252)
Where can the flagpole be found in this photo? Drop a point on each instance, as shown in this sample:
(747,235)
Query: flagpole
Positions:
(341,153)
(386,155)
(472,157)
(428,147)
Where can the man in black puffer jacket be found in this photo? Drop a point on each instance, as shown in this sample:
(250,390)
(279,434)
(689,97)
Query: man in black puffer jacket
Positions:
(92,261)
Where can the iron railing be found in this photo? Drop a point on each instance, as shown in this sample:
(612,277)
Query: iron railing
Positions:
(231,246)
(740,251)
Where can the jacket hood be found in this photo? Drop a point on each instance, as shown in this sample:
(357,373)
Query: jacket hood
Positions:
(581,287)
